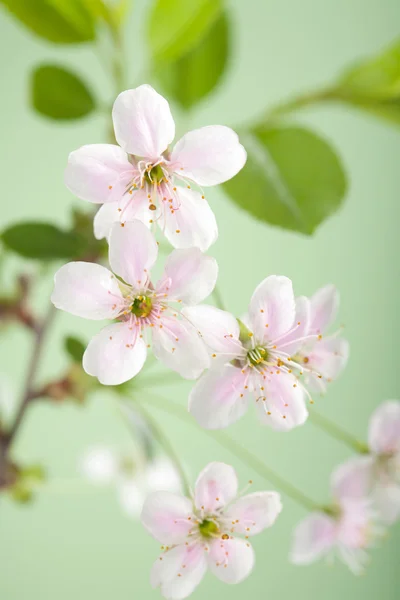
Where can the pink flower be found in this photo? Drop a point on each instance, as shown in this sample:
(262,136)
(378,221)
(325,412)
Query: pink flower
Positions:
(253,363)
(91,291)
(198,534)
(346,530)
(142,179)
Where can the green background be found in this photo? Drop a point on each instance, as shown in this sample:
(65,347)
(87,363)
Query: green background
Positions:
(77,543)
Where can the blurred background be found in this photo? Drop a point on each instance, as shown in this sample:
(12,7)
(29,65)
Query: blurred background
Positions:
(77,542)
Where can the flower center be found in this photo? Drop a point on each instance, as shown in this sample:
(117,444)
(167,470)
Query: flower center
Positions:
(141,306)
(154,175)
(208,528)
(257,355)
(128,465)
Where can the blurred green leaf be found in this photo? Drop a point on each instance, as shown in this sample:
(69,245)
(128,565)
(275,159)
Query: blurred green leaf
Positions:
(74,348)
(112,12)
(42,241)
(58,21)
(59,94)
(194,75)
(292,178)
(176,26)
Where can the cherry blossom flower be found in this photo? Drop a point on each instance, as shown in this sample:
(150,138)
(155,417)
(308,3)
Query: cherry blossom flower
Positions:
(142,179)
(132,476)
(347,529)
(200,533)
(91,291)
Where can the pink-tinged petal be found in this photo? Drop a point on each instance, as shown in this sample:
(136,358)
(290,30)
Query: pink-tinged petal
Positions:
(324,308)
(327,357)
(189,276)
(128,208)
(131,497)
(87,290)
(210,155)
(281,403)
(254,512)
(272,308)
(98,173)
(115,355)
(215,487)
(178,345)
(220,397)
(179,571)
(387,502)
(231,560)
(190,223)
(133,251)
(294,340)
(353,479)
(99,465)
(384,428)
(219,330)
(354,524)
(313,538)
(143,123)
(167,517)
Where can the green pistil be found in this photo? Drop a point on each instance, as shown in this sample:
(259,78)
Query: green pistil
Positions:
(208,529)
(257,355)
(155,175)
(141,306)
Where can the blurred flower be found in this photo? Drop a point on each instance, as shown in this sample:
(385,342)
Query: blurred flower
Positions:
(7,400)
(198,533)
(347,529)
(91,291)
(140,179)
(132,476)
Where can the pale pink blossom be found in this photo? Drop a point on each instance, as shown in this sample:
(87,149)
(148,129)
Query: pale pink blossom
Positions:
(347,529)
(200,533)
(143,179)
(91,291)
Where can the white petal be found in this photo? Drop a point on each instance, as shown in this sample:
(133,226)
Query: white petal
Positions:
(328,357)
(294,340)
(131,497)
(312,539)
(191,223)
(220,397)
(115,355)
(387,501)
(178,345)
(98,173)
(7,399)
(99,465)
(210,155)
(353,479)
(281,404)
(178,582)
(231,560)
(128,208)
(324,308)
(189,276)
(168,517)
(254,512)
(87,290)
(133,251)
(162,475)
(143,122)
(384,428)
(215,487)
(272,308)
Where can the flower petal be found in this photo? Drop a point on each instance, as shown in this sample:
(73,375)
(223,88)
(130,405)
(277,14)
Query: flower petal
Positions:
(98,173)
(312,539)
(216,485)
(353,479)
(384,428)
(210,155)
(143,123)
(324,307)
(328,357)
(191,223)
(254,512)
(179,571)
(294,340)
(99,465)
(115,355)
(178,345)
(128,208)
(133,251)
(387,502)
(219,398)
(281,404)
(189,276)
(167,517)
(272,308)
(162,475)
(87,290)
(131,497)
(231,560)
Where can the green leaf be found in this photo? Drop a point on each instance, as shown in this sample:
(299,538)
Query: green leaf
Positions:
(42,241)
(176,26)
(292,178)
(58,21)
(59,94)
(75,348)
(194,75)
